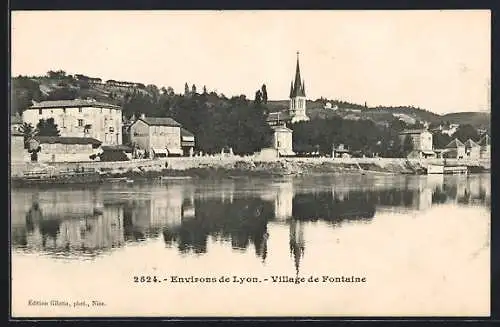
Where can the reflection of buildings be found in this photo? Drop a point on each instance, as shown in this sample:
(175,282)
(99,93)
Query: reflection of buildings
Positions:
(281,196)
(297,243)
(187,215)
(165,208)
(71,224)
(472,189)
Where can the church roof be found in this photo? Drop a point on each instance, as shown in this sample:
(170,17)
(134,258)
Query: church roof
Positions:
(297,87)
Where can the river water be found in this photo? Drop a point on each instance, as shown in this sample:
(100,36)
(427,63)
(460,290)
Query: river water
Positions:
(308,246)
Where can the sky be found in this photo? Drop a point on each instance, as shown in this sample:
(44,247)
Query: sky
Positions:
(436,60)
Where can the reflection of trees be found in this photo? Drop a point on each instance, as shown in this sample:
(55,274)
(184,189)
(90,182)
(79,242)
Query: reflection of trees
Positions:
(329,207)
(242,221)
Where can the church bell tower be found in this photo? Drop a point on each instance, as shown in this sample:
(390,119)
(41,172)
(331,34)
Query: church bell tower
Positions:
(297,110)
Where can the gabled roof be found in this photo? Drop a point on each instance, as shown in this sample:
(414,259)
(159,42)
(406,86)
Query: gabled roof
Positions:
(71,103)
(485,140)
(67,140)
(160,121)
(471,144)
(455,144)
(186,133)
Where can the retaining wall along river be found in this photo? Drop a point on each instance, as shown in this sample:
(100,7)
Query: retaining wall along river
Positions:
(220,166)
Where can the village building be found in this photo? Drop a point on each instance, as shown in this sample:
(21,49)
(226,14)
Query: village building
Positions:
(16,122)
(472,149)
(17,151)
(160,137)
(62,148)
(297,103)
(340,152)
(454,150)
(282,141)
(421,140)
(298,99)
(485,144)
(80,118)
(187,142)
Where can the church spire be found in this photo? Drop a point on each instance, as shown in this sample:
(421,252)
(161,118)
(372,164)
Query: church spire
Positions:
(298,86)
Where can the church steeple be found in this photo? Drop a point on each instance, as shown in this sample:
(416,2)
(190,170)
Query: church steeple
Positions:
(297,86)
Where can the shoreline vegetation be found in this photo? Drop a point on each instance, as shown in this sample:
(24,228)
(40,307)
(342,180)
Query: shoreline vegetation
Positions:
(221,168)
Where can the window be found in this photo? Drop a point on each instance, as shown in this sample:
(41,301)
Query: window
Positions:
(111,130)
(80,122)
(80,109)
(64,110)
(39,111)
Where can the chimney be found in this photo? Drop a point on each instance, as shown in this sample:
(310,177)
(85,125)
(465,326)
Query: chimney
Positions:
(143,116)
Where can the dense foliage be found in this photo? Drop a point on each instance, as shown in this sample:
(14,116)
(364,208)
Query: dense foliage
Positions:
(239,123)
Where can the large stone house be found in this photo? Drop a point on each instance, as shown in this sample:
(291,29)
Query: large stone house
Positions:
(160,137)
(80,118)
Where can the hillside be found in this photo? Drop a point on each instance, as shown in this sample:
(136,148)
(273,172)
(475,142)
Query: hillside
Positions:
(59,86)
(383,115)
(477,119)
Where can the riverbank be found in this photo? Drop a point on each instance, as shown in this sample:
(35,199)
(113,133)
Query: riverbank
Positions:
(223,167)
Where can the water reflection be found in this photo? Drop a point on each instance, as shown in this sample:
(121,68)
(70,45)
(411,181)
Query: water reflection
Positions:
(187,216)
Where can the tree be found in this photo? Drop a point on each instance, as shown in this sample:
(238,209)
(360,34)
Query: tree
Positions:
(28,131)
(465,132)
(193,89)
(186,89)
(407,145)
(204,89)
(440,140)
(258,97)
(264,93)
(170,91)
(47,127)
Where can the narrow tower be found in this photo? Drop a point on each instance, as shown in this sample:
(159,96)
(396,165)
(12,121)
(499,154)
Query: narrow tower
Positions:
(297,97)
